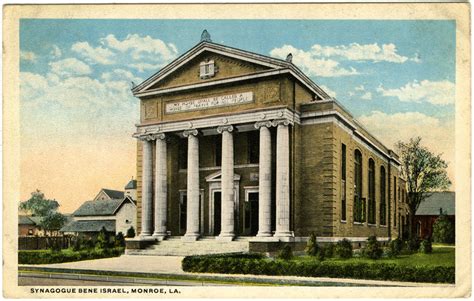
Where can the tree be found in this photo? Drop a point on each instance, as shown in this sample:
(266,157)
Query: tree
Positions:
(53,222)
(424,172)
(38,205)
(443,230)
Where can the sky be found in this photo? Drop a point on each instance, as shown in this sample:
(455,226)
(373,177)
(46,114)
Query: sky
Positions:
(77,113)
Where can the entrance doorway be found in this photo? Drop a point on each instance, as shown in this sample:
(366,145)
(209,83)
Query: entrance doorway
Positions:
(253,202)
(217,212)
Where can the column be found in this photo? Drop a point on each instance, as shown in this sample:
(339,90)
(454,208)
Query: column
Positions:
(192,222)
(160,187)
(227,183)
(264,180)
(282,180)
(147,189)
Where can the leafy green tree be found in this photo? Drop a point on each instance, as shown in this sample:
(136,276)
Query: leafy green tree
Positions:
(119,240)
(103,239)
(372,249)
(424,172)
(37,205)
(443,230)
(53,221)
(343,248)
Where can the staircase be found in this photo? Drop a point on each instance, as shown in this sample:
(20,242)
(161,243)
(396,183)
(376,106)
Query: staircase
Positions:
(174,246)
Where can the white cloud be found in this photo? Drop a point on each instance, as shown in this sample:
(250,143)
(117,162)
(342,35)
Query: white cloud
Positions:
(70,67)
(309,63)
(367,96)
(141,67)
(434,92)
(358,52)
(437,135)
(28,56)
(120,74)
(56,52)
(360,88)
(93,55)
(328,91)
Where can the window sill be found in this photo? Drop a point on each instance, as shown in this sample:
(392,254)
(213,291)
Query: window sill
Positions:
(383,226)
(343,221)
(359,223)
(372,225)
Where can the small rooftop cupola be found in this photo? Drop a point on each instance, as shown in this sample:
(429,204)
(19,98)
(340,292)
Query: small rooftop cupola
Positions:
(205,36)
(289,58)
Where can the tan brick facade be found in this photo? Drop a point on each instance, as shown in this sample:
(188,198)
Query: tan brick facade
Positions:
(318,128)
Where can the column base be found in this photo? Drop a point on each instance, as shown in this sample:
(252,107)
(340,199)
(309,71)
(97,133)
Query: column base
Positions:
(264,234)
(190,237)
(284,236)
(225,237)
(264,239)
(145,236)
(159,236)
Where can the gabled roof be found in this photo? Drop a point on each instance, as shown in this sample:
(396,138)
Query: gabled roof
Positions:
(275,64)
(25,220)
(437,201)
(113,194)
(131,185)
(101,207)
(89,226)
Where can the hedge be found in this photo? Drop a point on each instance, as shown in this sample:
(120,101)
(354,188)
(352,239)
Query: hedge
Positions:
(335,269)
(45,257)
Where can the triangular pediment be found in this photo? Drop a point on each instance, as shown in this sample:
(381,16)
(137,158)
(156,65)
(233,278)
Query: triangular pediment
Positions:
(217,176)
(230,62)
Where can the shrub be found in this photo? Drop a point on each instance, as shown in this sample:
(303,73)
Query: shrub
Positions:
(103,239)
(47,256)
(77,243)
(312,247)
(412,245)
(131,232)
(426,247)
(322,253)
(119,240)
(395,246)
(339,269)
(372,249)
(285,253)
(443,230)
(343,249)
(329,250)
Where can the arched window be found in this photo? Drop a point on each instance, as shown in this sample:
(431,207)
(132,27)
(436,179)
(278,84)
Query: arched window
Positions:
(359,202)
(383,193)
(371,185)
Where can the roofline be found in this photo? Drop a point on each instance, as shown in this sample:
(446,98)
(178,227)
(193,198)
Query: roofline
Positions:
(227,50)
(122,202)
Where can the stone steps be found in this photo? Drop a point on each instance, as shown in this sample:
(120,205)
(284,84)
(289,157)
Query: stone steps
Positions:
(174,246)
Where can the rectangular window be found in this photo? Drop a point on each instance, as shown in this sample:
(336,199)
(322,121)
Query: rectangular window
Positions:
(253,147)
(371,182)
(395,201)
(343,182)
(359,201)
(383,209)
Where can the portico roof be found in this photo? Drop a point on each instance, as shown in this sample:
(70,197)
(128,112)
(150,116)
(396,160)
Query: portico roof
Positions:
(275,65)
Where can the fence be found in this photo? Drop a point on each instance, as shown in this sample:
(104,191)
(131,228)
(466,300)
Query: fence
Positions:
(42,242)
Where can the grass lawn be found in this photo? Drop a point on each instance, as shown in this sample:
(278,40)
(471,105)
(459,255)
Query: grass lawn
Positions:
(441,256)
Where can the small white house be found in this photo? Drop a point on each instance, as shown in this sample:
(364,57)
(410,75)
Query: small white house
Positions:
(110,209)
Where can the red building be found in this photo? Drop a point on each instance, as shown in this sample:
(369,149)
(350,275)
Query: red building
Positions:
(431,208)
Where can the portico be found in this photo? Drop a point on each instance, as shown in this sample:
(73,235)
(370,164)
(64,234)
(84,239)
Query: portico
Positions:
(154,138)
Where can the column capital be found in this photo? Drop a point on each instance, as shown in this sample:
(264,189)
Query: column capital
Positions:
(160,136)
(222,128)
(144,137)
(191,132)
(284,122)
(260,124)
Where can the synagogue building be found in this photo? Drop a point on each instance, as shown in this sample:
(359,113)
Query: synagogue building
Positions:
(236,145)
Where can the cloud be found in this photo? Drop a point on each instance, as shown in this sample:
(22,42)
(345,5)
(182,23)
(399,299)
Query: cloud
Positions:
(434,92)
(436,134)
(366,96)
(360,88)
(120,74)
(28,56)
(309,63)
(70,67)
(56,52)
(98,54)
(357,52)
(328,91)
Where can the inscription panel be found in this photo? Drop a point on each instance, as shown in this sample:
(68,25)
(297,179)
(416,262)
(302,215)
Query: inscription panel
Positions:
(209,102)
